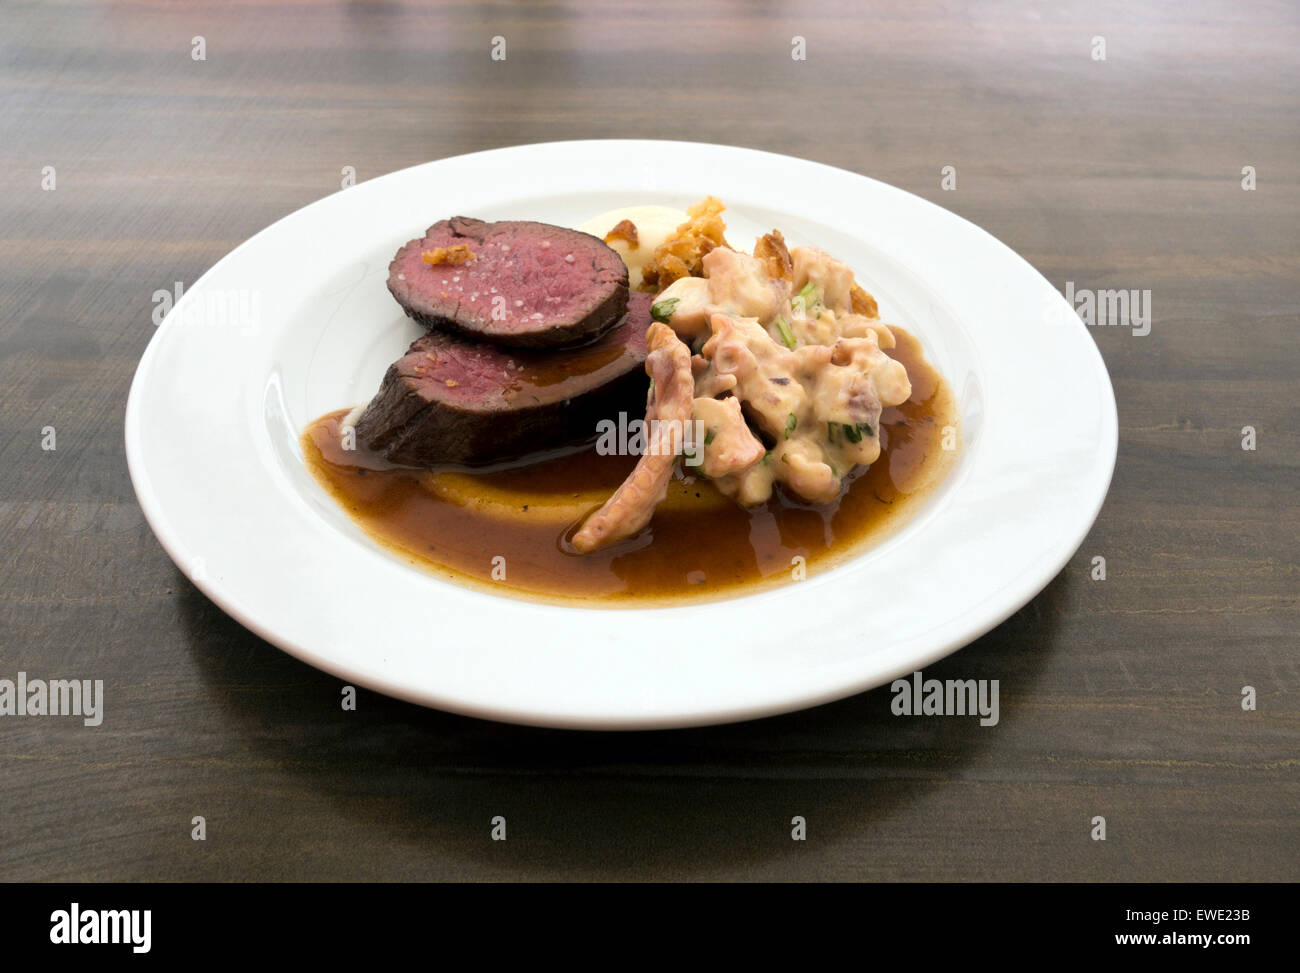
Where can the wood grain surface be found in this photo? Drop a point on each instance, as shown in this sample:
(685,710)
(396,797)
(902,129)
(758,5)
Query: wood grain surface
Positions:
(1119,698)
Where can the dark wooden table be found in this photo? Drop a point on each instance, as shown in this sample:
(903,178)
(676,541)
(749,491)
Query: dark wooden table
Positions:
(1119,698)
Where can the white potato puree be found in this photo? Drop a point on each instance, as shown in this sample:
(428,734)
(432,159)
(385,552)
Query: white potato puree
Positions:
(654,224)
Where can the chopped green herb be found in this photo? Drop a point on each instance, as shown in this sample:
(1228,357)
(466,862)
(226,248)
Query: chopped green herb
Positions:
(790,425)
(663,310)
(709,436)
(807,294)
(854,433)
(830,431)
(783,327)
(785,459)
(767,456)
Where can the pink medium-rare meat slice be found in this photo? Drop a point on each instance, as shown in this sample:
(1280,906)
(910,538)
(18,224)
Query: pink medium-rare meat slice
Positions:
(668,363)
(527,285)
(453,400)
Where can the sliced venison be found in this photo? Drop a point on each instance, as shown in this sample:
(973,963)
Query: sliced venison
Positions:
(515,283)
(454,400)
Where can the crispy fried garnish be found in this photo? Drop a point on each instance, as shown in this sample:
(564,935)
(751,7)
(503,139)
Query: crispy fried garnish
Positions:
(455,254)
(671,268)
(682,254)
(863,303)
(624,230)
(772,252)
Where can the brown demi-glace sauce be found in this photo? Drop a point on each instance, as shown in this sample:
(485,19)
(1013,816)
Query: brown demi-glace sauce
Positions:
(699,546)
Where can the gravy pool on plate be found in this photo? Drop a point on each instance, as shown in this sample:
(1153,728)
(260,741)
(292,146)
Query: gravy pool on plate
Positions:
(699,546)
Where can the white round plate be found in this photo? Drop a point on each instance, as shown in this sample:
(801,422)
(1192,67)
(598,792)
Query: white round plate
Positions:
(297,322)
